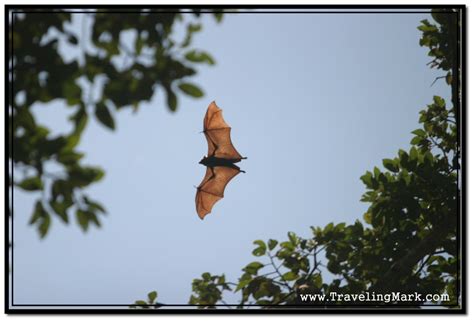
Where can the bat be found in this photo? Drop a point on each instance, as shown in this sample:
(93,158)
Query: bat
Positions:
(220,161)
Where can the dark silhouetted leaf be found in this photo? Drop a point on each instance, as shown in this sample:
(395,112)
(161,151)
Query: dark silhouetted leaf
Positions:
(103,115)
(171,99)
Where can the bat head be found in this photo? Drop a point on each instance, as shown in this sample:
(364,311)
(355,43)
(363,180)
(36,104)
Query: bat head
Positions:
(202,160)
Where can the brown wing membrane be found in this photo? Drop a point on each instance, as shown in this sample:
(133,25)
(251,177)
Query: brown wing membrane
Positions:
(212,187)
(217,133)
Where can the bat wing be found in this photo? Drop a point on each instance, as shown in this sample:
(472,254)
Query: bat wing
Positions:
(217,133)
(212,187)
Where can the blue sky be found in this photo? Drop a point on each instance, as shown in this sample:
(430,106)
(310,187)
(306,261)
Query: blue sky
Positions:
(314,101)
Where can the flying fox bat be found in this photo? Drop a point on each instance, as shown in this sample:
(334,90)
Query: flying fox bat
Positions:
(220,161)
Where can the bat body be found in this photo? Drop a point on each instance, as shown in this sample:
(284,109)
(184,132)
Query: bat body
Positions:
(220,161)
(213,161)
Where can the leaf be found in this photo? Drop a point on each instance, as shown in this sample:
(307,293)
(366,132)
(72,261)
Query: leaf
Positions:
(83,176)
(80,119)
(318,280)
(69,157)
(171,99)
(261,249)
(367,179)
(31,184)
(72,93)
(44,225)
(391,165)
(82,219)
(272,243)
(403,156)
(199,57)
(289,276)
(416,140)
(293,238)
(60,208)
(218,16)
(72,141)
(413,154)
(439,101)
(140,302)
(73,39)
(419,132)
(191,89)
(93,205)
(253,268)
(38,213)
(25,119)
(368,218)
(93,217)
(152,296)
(103,115)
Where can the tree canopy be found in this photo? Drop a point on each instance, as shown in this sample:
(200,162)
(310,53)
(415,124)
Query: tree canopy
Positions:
(125,75)
(408,240)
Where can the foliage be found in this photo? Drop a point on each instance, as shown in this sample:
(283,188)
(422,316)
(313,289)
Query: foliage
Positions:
(408,242)
(124,75)
(149,303)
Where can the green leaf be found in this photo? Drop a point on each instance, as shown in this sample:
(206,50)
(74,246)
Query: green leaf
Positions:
(403,156)
(69,157)
(413,154)
(38,213)
(253,268)
(25,118)
(318,280)
(272,243)
(171,99)
(31,184)
(419,132)
(140,302)
(79,119)
(103,115)
(44,225)
(416,140)
(293,238)
(218,16)
(41,217)
(60,208)
(261,249)
(72,141)
(94,205)
(391,165)
(82,219)
(439,101)
(289,276)
(93,217)
(368,218)
(152,296)
(244,280)
(83,176)
(72,93)
(367,179)
(199,57)
(191,89)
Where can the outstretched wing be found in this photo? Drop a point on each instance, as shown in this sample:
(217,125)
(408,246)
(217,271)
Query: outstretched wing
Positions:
(212,187)
(217,133)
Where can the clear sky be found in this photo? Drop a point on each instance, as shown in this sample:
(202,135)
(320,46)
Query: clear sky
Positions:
(314,101)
